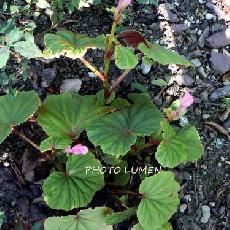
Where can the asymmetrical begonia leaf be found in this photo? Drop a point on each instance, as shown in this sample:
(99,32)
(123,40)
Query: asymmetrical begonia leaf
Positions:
(160,200)
(15,109)
(65,116)
(70,44)
(178,146)
(86,219)
(76,187)
(116,132)
(162,55)
(125,57)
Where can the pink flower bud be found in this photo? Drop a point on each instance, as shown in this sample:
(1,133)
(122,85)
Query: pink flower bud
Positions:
(77,149)
(186,100)
(123,4)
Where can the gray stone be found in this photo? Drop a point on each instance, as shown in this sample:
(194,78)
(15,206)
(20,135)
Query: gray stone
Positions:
(205,214)
(71,85)
(220,92)
(219,39)
(218,11)
(203,36)
(196,62)
(183,207)
(48,75)
(177,28)
(205,116)
(220,62)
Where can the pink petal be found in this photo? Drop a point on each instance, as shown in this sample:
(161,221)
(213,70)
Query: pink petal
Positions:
(186,100)
(77,149)
(123,4)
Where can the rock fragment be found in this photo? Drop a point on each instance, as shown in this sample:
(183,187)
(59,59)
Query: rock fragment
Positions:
(220,62)
(220,92)
(165,11)
(219,39)
(205,214)
(71,85)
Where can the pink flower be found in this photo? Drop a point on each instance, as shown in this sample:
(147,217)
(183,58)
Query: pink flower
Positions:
(185,102)
(77,149)
(123,4)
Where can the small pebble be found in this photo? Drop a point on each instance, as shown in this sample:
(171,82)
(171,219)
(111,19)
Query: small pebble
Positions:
(205,214)
(183,207)
(209,16)
(205,116)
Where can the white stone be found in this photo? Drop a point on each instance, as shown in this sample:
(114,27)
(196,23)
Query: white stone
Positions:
(209,16)
(183,207)
(145,68)
(196,62)
(71,85)
(205,214)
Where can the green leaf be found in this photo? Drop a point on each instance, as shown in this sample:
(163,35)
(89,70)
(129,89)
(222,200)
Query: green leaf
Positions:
(65,116)
(120,103)
(70,44)
(74,4)
(160,200)
(27,48)
(77,186)
(54,143)
(159,82)
(118,217)
(170,152)
(87,219)
(122,178)
(4,56)
(125,58)
(190,138)
(141,87)
(1,218)
(43,4)
(116,132)
(166,226)
(14,36)
(178,146)
(162,55)
(15,109)
(153,2)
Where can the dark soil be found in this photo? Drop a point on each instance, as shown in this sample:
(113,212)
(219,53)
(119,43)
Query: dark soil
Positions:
(206,183)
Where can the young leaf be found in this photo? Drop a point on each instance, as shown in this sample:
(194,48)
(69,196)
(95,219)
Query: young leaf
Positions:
(54,143)
(1,218)
(116,132)
(178,146)
(4,56)
(15,109)
(27,48)
(86,219)
(159,82)
(125,58)
(70,44)
(14,36)
(118,217)
(76,187)
(190,138)
(160,200)
(65,116)
(162,55)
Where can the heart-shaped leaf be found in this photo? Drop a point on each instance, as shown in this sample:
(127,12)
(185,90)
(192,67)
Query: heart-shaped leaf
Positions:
(70,44)
(162,55)
(87,219)
(178,146)
(160,200)
(116,132)
(15,109)
(125,58)
(76,187)
(65,116)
